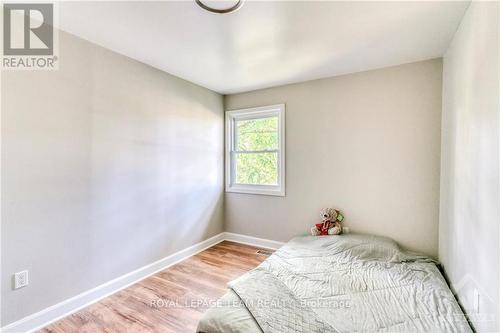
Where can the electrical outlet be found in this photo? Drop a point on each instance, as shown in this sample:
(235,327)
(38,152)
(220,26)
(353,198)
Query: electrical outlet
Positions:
(475,301)
(346,230)
(21,279)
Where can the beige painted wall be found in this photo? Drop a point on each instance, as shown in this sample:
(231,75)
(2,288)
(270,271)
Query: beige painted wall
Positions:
(107,165)
(366,143)
(469,234)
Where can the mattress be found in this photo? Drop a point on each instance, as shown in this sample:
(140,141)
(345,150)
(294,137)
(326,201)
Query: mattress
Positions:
(346,283)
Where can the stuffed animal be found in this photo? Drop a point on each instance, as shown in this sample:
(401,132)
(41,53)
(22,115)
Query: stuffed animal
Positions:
(330,224)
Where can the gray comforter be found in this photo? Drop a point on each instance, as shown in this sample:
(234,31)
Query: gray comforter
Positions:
(348,283)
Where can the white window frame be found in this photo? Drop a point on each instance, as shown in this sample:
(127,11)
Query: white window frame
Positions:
(248,114)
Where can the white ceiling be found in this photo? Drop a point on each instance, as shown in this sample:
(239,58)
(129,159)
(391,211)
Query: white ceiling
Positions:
(266,43)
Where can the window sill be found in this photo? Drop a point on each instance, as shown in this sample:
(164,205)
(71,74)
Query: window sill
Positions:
(256,189)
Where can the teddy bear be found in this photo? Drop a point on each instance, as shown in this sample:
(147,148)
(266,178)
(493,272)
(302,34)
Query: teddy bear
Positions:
(330,224)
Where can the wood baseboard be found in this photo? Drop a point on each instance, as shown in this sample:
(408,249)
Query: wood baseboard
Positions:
(254,241)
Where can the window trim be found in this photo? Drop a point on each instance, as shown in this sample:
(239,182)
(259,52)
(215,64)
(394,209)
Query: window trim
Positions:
(247,114)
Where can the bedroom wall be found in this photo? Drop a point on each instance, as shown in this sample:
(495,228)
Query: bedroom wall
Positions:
(470,183)
(366,143)
(107,165)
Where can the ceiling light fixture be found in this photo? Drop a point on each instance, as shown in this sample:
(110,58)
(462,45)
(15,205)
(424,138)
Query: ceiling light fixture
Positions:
(220,10)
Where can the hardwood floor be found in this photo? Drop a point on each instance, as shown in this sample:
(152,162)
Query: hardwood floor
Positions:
(172,300)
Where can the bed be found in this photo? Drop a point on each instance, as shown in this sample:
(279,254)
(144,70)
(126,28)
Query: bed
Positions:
(346,283)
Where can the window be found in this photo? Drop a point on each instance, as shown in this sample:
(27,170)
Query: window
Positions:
(255,150)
